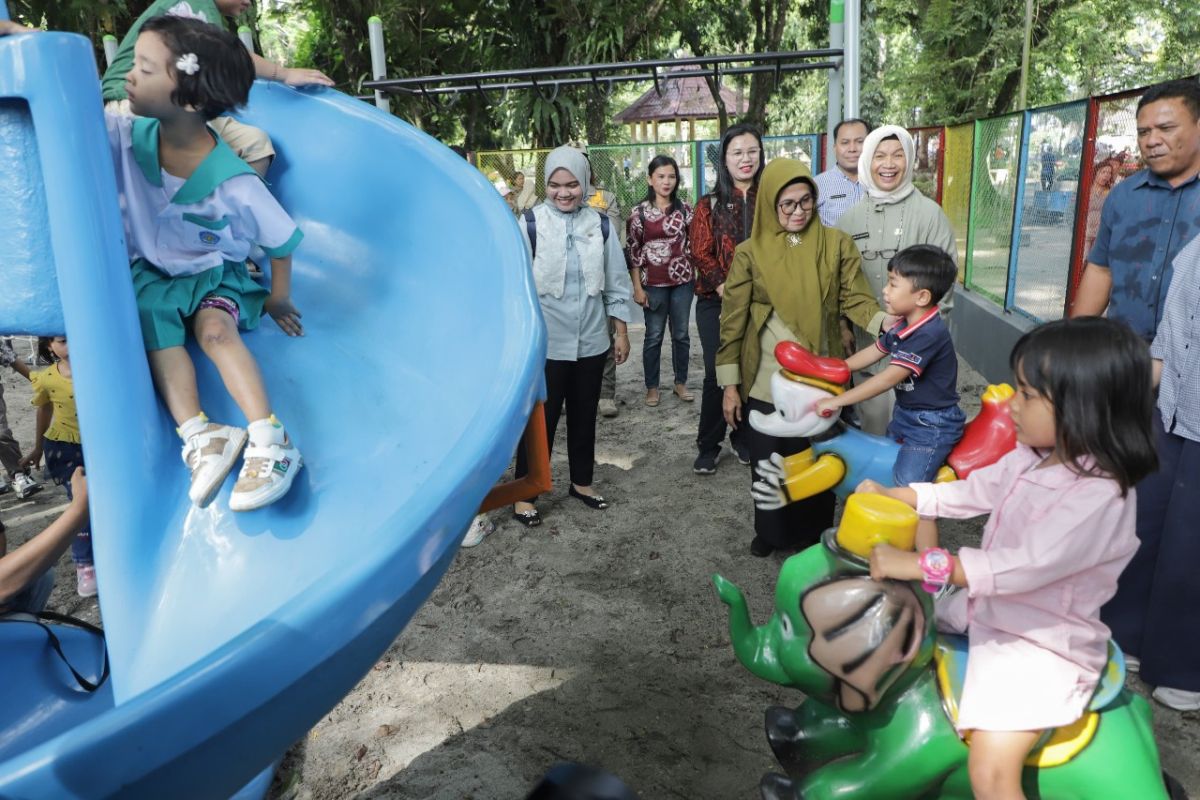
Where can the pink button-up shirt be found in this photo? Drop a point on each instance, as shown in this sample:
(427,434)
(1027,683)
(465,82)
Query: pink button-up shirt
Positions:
(1052,551)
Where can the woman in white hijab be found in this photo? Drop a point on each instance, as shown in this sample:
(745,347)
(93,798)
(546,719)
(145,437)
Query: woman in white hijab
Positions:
(893,215)
(582,282)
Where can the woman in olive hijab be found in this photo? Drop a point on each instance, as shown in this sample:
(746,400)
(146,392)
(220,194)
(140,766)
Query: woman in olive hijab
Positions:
(790,281)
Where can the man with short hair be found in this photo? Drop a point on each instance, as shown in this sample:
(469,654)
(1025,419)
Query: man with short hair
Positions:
(837,187)
(1149,216)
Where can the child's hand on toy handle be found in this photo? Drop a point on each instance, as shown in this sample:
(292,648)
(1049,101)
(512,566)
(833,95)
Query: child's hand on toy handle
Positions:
(285,315)
(869,486)
(891,562)
(826,408)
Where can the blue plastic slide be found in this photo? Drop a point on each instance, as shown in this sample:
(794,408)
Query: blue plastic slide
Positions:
(231,635)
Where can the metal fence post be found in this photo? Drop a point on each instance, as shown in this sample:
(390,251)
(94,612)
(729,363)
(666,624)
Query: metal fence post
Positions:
(378,61)
(110,48)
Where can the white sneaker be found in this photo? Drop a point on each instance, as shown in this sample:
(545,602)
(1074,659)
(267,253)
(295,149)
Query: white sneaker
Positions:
(210,455)
(267,474)
(85,581)
(480,529)
(608,408)
(25,486)
(1132,663)
(1178,699)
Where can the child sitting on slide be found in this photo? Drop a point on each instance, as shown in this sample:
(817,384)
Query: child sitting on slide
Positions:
(251,144)
(923,369)
(192,211)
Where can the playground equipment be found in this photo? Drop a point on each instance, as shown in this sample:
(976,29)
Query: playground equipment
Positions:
(881,686)
(841,457)
(231,635)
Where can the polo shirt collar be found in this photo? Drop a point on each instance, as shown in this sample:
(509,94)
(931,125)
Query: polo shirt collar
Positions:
(217,167)
(1145,177)
(909,330)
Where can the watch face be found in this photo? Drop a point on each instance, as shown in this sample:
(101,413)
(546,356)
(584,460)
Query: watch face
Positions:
(936,560)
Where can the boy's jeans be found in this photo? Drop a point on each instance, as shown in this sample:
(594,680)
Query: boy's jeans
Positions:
(926,437)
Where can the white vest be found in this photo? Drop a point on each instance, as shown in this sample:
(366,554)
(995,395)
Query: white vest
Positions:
(550,263)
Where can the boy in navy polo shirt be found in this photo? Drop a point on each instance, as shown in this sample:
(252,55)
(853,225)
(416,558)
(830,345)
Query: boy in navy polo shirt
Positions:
(923,370)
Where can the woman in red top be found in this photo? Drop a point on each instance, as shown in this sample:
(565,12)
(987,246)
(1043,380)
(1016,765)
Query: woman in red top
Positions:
(721,222)
(661,267)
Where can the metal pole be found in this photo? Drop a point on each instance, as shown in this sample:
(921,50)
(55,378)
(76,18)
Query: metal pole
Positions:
(853,55)
(1025,52)
(378,61)
(110,48)
(247,37)
(837,12)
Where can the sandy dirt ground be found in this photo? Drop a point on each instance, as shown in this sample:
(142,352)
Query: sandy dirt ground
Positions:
(595,638)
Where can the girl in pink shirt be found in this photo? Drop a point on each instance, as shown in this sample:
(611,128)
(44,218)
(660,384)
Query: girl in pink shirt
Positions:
(1060,532)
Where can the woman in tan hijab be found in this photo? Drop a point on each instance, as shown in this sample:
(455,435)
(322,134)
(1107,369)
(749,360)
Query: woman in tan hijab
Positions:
(791,280)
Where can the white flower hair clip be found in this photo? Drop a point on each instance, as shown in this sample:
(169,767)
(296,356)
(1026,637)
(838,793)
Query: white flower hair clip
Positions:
(188,63)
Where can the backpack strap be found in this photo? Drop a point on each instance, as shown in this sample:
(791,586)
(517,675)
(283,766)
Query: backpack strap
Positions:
(42,617)
(531,230)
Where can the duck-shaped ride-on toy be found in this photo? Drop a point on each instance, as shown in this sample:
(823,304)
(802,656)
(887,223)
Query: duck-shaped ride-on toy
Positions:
(841,456)
(881,687)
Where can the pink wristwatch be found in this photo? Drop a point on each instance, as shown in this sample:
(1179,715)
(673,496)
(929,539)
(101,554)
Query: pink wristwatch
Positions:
(936,568)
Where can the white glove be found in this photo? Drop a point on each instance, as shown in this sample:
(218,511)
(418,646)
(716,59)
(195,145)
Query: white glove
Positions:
(768,493)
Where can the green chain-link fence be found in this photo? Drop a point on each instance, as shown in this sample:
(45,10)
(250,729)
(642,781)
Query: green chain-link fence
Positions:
(956,186)
(993,195)
(1046,222)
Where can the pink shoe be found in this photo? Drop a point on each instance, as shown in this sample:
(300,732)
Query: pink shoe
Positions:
(85,581)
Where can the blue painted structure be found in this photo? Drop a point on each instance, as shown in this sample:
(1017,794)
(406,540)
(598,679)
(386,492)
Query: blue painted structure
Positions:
(231,635)
(865,456)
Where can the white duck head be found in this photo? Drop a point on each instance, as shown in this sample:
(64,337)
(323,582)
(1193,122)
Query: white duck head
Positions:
(804,379)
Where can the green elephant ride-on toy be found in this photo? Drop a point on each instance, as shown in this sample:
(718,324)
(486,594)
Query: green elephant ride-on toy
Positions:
(881,687)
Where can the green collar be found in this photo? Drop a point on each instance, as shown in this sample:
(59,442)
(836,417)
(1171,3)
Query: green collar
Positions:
(217,167)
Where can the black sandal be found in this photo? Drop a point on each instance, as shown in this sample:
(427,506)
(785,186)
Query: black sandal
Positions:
(530,518)
(590,500)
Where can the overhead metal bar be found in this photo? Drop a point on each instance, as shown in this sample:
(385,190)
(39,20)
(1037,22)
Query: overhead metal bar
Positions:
(538,77)
(423,87)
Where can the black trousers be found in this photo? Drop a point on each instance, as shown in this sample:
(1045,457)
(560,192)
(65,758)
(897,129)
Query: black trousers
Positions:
(1155,614)
(799,524)
(712,420)
(575,384)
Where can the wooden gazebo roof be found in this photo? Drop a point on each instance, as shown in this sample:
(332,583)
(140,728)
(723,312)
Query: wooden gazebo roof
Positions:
(682,98)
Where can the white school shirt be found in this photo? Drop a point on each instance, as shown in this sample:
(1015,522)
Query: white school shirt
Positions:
(184,227)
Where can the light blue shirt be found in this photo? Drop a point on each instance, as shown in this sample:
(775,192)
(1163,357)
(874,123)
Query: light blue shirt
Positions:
(576,322)
(835,195)
(1177,344)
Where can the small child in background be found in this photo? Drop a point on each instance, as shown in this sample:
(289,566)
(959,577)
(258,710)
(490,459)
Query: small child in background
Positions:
(1060,531)
(923,370)
(58,440)
(14,477)
(193,210)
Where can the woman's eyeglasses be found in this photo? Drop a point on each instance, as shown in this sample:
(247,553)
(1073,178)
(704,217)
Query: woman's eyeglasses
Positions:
(791,206)
(737,155)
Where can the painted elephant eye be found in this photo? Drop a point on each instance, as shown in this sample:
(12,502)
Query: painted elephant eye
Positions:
(786,624)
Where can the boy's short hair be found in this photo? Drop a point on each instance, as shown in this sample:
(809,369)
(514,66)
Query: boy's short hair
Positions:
(226,71)
(928,267)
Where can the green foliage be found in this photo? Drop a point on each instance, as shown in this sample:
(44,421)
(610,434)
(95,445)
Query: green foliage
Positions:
(924,62)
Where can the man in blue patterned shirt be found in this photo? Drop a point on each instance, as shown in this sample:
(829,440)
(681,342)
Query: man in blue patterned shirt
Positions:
(837,187)
(1149,216)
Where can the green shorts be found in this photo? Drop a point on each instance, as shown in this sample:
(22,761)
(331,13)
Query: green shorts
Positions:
(166,303)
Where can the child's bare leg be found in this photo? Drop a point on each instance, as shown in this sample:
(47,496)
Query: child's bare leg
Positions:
(995,762)
(175,378)
(218,336)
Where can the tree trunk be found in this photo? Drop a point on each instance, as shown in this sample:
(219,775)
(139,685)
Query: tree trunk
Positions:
(769,18)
